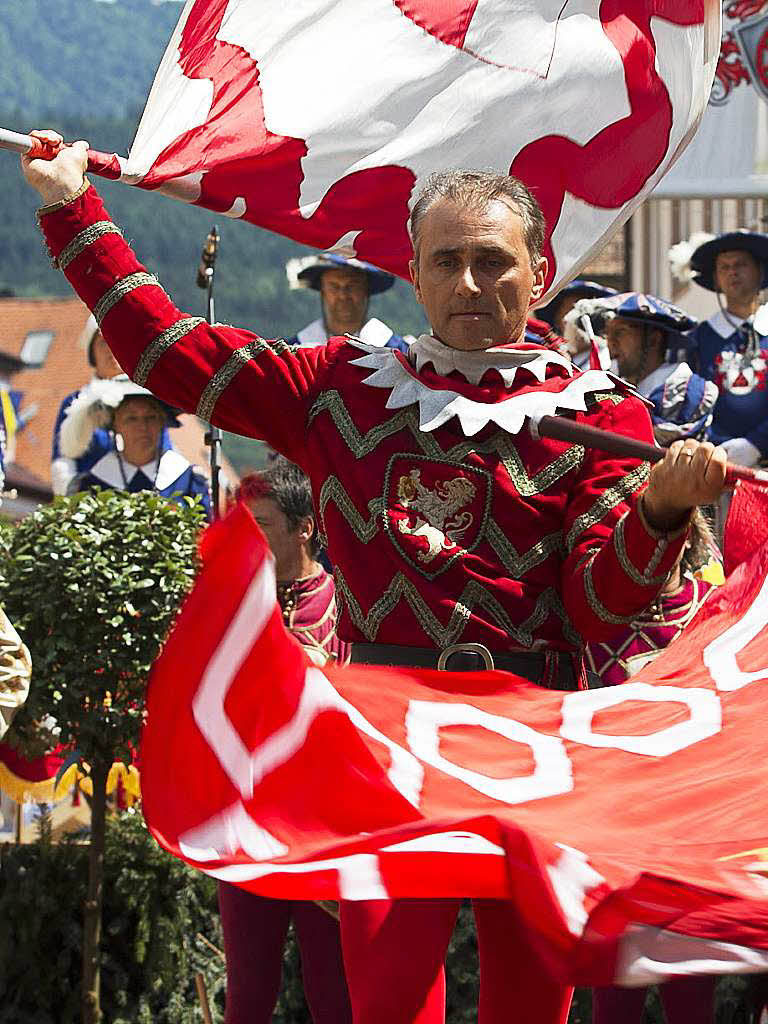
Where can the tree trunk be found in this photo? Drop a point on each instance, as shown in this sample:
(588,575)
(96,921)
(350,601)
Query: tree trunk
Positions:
(91,1000)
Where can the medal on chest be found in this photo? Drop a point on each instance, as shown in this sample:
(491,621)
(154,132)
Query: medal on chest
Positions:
(741,372)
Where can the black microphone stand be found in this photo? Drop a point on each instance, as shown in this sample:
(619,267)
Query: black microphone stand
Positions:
(205,275)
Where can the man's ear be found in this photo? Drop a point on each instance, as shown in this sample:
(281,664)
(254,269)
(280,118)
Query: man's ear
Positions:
(306,529)
(539,279)
(413,268)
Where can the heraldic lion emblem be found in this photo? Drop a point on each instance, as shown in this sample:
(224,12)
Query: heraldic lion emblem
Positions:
(439,516)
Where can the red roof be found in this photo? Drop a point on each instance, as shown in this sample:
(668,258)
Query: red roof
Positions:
(64,370)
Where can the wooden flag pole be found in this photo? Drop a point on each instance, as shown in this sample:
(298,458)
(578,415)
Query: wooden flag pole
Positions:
(558,428)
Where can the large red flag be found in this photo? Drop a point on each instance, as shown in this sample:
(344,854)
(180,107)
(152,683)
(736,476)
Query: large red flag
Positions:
(629,824)
(320,120)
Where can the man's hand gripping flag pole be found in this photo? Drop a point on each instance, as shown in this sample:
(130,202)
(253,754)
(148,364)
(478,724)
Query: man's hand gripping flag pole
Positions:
(106,165)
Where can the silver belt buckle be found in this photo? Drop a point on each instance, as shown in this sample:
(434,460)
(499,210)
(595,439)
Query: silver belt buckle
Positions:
(480,649)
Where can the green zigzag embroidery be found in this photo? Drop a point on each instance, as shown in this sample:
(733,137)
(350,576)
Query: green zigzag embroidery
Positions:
(362,445)
(473,595)
(516,564)
(364,529)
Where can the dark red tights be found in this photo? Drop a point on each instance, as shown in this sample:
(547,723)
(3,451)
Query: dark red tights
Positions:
(685,1001)
(394,953)
(254,935)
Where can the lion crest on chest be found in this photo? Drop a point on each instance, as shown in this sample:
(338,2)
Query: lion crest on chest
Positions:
(435,511)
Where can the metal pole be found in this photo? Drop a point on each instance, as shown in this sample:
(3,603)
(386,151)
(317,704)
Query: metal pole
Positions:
(205,277)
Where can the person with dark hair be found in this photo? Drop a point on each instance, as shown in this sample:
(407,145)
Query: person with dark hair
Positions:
(461,539)
(644,335)
(345,286)
(254,927)
(280,499)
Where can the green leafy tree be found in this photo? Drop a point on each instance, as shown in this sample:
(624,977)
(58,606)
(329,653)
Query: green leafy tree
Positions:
(93,582)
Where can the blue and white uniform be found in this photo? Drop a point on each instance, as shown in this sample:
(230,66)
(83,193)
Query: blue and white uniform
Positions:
(728,351)
(171,477)
(682,401)
(63,469)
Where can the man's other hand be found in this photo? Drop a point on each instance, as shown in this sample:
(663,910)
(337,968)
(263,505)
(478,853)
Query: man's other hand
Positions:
(61,177)
(690,474)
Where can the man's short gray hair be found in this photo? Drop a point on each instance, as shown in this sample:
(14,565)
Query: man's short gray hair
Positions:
(476,189)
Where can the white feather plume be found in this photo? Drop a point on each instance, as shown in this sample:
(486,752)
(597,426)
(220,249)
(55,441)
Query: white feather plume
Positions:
(294,267)
(572,330)
(92,408)
(680,256)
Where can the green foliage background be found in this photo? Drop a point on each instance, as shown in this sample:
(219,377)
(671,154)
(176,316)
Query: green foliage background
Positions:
(93,582)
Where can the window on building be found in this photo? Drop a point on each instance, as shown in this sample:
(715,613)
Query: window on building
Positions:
(35,348)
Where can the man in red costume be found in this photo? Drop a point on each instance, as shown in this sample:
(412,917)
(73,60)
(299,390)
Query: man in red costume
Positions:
(448,520)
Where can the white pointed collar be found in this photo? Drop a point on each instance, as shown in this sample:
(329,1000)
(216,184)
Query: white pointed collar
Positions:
(107,470)
(724,325)
(438,406)
(472,365)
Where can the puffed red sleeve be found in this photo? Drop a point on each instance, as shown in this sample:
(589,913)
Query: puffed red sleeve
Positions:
(615,562)
(230,377)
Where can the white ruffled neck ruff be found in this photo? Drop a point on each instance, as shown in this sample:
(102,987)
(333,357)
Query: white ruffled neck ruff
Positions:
(436,407)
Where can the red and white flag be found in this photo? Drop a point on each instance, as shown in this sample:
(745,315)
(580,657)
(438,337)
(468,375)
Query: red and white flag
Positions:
(320,119)
(629,824)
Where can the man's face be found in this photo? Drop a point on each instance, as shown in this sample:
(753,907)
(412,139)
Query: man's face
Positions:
(737,275)
(104,363)
(625,344)
(344,295)
(285,541)
(140,421)
(473,274)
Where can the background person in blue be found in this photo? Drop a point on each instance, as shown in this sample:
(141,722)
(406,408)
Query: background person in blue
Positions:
(731,348)
(345,287)
(644,334)
(105,366)
(137,463)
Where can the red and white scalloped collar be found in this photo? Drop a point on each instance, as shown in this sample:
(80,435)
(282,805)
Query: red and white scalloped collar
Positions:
(528,382)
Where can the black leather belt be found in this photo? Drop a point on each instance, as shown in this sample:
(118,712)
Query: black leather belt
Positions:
(530,665)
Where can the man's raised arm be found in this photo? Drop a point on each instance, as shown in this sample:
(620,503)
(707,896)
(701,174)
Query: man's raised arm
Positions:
(225,375)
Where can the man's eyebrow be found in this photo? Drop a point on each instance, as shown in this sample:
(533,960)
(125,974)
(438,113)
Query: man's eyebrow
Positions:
(484,250)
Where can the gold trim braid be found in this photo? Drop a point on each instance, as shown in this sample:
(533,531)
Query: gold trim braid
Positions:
(224,376)
(608,500)
(85,238)
(473,595)
(118,291)
(596,604)
(160,345)
(364,529)
(644,579)
(43,211)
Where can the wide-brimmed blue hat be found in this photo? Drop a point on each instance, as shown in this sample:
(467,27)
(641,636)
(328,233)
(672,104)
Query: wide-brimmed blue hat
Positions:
(307,271)
(646,309)
(578,289)
(704,257)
